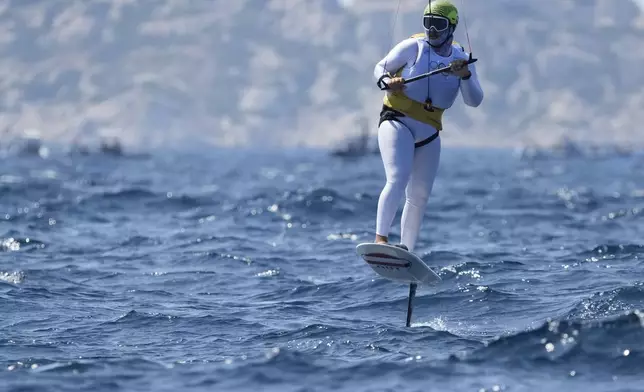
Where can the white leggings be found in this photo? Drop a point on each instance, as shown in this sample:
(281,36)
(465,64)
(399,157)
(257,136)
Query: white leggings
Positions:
(410,171)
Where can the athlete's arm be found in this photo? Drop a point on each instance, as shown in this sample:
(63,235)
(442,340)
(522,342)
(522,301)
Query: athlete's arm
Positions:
(403,53)
(471,90)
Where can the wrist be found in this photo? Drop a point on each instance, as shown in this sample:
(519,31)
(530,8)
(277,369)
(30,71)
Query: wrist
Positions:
(469,75)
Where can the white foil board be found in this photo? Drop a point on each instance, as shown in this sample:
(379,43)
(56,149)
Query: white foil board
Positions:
(397,264)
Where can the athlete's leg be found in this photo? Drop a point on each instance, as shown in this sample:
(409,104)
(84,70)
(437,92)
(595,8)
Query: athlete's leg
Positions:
(425,167)
(396,145)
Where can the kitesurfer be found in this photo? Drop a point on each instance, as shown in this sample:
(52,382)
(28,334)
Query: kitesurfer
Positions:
(411,117)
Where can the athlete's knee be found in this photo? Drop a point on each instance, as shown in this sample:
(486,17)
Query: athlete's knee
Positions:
(418,195)
(397,173)
(417,200)
(395,187)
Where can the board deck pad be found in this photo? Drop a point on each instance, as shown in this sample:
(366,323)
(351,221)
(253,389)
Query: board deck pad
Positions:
(394,263)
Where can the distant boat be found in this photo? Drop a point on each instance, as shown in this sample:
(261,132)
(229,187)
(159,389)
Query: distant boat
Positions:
(566,148)
(357,146)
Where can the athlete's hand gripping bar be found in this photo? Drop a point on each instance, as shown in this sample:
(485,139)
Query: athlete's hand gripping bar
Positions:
(384,86)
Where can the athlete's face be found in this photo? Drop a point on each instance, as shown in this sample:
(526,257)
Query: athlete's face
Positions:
(436,38)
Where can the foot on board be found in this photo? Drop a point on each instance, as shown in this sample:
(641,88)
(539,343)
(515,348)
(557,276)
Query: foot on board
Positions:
(402,246)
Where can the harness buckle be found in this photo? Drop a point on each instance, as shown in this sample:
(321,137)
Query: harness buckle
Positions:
(428,105)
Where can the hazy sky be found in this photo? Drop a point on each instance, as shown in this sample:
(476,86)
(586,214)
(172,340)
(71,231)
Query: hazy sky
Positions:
(349,3)
(640,3)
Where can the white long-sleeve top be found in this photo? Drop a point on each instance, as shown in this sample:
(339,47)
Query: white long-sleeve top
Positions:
(415,56)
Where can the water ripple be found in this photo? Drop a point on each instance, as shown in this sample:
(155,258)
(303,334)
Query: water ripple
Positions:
(202,272)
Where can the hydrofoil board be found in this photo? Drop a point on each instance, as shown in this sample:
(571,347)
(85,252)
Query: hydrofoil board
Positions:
(398,264)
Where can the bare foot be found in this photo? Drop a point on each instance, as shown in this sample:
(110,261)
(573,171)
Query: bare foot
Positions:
(381,239)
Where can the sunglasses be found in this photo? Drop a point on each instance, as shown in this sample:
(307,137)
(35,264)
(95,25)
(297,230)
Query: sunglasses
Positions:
(437,23)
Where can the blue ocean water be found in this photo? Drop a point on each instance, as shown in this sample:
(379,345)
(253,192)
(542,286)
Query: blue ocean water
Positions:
(235,270)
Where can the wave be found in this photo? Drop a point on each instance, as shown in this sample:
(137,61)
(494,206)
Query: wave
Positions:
(607,345)
(609,303)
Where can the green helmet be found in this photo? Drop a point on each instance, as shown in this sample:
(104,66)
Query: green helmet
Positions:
(443,8)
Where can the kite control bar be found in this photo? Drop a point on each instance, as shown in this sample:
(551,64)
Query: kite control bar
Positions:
(384,86)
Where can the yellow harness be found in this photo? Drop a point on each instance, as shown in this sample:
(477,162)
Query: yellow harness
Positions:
(420,111)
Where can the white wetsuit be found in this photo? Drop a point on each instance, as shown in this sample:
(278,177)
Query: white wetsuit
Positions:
(409,170)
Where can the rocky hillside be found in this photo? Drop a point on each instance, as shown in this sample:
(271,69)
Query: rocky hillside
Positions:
(289,72)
